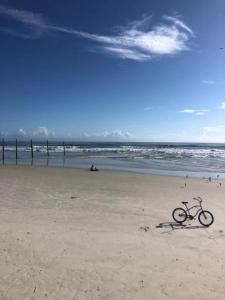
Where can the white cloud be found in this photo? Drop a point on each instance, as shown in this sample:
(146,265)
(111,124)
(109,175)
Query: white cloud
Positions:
(45,132)
(109,135)
(189,111)
(208,81)
(22,132)
(197,112)
(222,105)
(137,41)
(114,134)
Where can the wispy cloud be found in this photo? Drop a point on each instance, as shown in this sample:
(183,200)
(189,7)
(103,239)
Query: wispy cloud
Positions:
(139,40)
(210,82)
(4,134)
(31,20)
(179,23)
(189,111)
(126,53)
(222,105)
(147,108)
(200,113)
(22,132)
(197,112)
(214,129)
(23,16)
(44,132)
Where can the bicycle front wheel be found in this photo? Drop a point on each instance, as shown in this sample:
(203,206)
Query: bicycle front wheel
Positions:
(179,215)
(206,218)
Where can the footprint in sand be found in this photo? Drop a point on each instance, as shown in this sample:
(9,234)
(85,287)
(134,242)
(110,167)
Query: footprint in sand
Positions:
(217,234)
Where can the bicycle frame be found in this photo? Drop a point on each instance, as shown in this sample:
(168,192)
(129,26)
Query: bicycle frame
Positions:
(205,217)
(199,206)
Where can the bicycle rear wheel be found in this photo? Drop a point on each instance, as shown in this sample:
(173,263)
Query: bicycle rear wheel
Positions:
(206,218)
(179,215)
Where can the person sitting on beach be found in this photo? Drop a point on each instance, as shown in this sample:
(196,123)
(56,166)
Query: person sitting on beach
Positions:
(93,168)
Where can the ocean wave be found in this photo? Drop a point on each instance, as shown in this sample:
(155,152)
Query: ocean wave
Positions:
(132,151)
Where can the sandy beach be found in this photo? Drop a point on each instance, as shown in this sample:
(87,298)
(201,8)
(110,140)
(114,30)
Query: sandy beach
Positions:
(74,234)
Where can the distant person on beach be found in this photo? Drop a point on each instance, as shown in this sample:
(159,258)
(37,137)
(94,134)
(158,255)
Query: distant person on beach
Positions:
(210,179)
(93,168)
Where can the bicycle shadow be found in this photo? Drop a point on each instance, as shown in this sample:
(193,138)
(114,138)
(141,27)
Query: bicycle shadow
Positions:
(175,226)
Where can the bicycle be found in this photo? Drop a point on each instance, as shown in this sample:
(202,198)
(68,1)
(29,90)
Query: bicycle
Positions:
(205,217)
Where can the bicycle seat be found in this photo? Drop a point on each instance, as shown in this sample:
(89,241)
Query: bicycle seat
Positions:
(184,202)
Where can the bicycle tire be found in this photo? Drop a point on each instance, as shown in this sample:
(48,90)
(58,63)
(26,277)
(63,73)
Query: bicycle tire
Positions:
(202,217)
(181,213)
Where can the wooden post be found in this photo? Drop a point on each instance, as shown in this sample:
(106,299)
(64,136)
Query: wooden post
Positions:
(64,149)
(16,151)
(47,149)
(3,151)
(32,151)
(64,154)
(47,153)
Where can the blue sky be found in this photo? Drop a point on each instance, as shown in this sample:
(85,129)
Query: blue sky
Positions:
(113,70)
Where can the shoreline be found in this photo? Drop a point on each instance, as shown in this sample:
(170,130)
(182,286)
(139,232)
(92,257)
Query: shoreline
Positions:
(175,159)
(213,175)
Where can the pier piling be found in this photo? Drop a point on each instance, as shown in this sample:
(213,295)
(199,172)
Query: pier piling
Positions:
(3,151)
(16,151)
(32,152)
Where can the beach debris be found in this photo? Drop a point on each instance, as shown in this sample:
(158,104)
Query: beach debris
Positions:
(144,228)
(73,197)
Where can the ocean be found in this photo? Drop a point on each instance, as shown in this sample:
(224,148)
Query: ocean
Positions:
(179,159)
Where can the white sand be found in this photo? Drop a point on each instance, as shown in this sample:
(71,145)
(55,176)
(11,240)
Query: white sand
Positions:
(92,247)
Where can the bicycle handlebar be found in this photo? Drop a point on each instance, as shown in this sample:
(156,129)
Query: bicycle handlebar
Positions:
(199,199)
